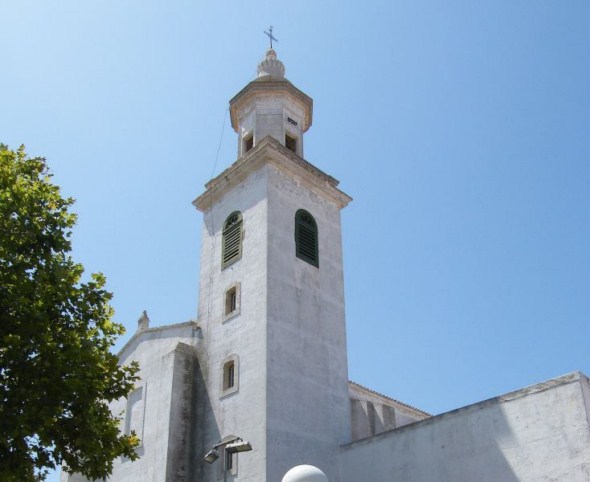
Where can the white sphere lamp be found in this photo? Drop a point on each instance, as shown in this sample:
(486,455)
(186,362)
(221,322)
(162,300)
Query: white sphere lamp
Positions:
(305,473)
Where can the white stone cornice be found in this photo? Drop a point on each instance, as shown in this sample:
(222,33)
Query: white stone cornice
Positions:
(271,151)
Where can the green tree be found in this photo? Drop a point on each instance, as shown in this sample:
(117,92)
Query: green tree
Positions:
(57,374)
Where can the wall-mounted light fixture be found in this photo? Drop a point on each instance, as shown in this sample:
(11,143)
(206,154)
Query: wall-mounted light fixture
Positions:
(232,445)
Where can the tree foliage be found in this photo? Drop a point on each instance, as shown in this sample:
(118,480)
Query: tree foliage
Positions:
(57,374)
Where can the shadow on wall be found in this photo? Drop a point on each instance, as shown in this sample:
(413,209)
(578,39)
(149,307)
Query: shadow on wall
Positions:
(202,434)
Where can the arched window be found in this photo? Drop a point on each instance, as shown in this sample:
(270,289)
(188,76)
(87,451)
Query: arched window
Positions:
(231,249)
(306,238)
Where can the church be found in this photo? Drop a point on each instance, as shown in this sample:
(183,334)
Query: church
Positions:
(258,383)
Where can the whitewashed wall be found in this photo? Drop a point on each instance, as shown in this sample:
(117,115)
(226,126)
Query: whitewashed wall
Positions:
(540,433)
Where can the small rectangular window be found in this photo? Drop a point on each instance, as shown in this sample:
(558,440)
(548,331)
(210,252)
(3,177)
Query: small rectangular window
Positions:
(290,143)
(230,375)
(248,143)
(231,301)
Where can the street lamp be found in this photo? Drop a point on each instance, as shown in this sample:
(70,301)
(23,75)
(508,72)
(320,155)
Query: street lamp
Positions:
(232,445)
(238,446)
(211,456)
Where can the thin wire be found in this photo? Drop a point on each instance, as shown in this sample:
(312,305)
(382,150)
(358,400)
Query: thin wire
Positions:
(220,141)
(212,231)
(213,236)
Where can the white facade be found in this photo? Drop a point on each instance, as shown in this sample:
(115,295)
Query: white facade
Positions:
(266,359)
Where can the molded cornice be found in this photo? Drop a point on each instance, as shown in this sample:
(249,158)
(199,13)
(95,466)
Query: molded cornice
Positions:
(271,151)
(264,88)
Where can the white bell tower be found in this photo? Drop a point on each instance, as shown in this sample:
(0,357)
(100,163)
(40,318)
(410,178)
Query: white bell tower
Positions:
(271,301)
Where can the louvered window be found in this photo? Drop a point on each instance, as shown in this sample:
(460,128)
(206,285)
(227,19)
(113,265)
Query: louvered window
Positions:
(306,238)
(232,240)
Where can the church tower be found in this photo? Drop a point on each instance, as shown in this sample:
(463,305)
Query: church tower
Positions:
(266,360)
(271,299)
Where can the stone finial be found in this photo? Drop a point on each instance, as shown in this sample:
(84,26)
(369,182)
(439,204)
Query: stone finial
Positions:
(271,66)
(144,322)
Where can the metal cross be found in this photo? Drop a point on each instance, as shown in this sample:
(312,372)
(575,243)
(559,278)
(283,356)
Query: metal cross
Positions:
(270,36)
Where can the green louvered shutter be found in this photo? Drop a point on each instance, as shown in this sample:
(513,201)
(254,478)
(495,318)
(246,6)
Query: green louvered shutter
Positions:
(306,238)
(232,240)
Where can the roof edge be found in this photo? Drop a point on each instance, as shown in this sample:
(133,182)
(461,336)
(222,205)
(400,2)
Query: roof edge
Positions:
(566,379)
(388,398)
(138,333)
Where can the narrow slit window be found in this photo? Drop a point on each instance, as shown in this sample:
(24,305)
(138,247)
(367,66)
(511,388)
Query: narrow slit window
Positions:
(230,372)
(306,238)
(229,462)
(291,143)
(232,240)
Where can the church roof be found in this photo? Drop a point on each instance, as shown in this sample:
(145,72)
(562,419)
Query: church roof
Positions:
(362,387)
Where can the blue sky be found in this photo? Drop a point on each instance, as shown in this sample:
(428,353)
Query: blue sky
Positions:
(460,128)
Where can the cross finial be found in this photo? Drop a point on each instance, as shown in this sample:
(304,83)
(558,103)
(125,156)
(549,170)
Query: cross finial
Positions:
(270,36)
